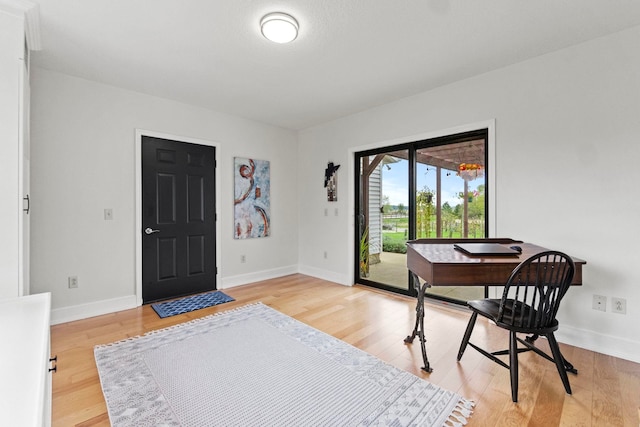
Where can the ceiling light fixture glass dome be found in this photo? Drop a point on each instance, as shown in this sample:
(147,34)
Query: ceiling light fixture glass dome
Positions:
(279,27)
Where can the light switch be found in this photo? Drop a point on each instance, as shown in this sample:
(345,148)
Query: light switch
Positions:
(108,214)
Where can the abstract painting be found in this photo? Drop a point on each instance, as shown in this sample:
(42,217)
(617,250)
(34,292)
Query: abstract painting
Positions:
(252,199)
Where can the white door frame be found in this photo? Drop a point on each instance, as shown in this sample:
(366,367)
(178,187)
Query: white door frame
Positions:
(138,203)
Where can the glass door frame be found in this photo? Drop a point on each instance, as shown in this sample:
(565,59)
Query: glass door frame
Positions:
(485,132)
(359,216)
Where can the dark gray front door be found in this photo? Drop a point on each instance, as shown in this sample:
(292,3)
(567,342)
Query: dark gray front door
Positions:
(178,219)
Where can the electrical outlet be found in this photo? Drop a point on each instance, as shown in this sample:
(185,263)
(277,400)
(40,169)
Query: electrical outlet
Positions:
(243,259)
(73,282)
(619,305)
(599,303)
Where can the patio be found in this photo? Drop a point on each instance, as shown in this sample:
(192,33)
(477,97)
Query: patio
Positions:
(392,271)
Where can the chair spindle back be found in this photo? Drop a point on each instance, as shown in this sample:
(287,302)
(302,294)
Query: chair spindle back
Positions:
(532,295)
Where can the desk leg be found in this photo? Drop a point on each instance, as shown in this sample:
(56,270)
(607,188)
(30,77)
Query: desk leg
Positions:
(418,329)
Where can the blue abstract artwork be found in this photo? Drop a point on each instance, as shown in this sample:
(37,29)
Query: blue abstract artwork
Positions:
(252,199)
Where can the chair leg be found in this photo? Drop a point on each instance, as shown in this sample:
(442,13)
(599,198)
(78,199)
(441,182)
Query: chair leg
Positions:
(467,334)
(559,360)
(513,365)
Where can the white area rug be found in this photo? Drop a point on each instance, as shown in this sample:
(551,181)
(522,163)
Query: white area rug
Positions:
(254,366)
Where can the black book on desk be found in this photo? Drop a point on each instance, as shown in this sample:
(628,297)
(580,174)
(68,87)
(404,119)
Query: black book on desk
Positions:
(485,249)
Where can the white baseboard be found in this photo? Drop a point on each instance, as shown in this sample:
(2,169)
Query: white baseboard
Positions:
(600,343)
(97,308)
(243,279)
(330,276)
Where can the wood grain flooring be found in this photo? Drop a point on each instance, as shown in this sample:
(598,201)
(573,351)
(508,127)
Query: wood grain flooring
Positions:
(606,392)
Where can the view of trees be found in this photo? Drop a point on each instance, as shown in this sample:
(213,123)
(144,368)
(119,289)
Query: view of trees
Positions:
(395,220)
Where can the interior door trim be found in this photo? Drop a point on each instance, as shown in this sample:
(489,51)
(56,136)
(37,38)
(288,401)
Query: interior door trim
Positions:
(138,200)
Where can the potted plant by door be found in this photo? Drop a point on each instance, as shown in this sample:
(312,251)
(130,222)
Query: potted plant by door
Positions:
(364,253)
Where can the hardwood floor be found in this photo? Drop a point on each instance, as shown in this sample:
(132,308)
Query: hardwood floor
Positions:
(606,392)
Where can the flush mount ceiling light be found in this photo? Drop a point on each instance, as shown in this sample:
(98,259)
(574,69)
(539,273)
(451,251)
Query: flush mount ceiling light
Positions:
(279,27)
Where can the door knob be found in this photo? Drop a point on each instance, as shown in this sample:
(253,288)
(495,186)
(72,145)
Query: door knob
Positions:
(150,230)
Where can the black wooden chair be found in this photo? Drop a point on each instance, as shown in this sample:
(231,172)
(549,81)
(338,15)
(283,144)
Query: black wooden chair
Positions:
(529,305)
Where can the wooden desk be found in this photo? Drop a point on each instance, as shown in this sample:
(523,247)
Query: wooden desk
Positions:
(437,263)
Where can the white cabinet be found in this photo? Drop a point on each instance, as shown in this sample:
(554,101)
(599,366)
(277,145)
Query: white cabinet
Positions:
(15,18)
(25,380)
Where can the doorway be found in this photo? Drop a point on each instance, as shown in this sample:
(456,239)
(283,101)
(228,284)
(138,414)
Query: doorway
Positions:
(383,229)
(426,189)
(177,218)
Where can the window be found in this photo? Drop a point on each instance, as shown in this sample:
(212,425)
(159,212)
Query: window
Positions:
(434,188)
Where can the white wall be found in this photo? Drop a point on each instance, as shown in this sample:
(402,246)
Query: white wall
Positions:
(11,52)
(83,139)
(567,149)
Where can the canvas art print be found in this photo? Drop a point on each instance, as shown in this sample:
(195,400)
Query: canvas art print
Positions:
(252,202)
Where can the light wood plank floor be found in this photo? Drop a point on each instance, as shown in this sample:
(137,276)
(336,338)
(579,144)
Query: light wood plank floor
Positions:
(606,392)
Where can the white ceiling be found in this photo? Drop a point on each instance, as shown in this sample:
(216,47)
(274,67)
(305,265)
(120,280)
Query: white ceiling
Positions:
(351,55)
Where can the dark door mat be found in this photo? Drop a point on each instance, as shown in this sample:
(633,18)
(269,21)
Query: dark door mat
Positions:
(191,303)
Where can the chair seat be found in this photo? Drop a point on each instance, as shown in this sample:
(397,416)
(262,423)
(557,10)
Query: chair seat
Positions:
(490,308)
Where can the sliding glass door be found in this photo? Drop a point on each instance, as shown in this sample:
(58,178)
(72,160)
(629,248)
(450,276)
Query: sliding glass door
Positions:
(383,219)
(420,190)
